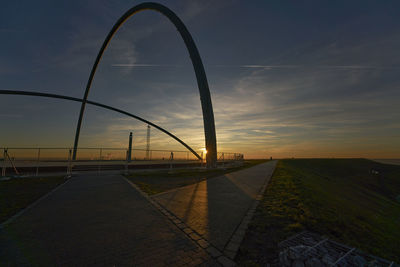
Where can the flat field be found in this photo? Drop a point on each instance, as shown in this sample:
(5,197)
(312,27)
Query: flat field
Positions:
(353,201)
(18,193)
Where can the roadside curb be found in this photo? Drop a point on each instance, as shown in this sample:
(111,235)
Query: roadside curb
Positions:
(233,245)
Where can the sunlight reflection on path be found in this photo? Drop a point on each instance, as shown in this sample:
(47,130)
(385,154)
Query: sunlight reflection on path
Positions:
(215,207)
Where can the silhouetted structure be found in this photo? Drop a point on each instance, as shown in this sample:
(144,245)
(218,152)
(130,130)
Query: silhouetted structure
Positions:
(205,97)
(148,143)
(130,148)
(38,94)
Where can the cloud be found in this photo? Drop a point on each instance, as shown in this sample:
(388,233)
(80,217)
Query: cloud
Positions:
(142,65)
(262,111)
(195,8)
(10,30)
(270,66)
(122,50)
(332,67)
(312,108)
(11,115)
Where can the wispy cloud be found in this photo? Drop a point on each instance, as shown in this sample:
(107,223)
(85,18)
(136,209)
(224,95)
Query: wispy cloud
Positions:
(195,8)
(142,65)
(286,113)
(10,30)
(270,66)
(11,115)
(333,67)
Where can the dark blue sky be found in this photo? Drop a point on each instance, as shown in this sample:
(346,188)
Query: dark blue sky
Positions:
(287,78)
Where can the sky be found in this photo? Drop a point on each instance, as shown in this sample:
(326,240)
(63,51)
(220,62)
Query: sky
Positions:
(287,78)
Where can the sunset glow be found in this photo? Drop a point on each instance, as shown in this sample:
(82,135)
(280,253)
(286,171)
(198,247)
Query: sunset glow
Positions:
(316,82)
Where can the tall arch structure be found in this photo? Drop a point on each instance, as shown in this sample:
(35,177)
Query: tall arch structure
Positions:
(205,97)
(39,94)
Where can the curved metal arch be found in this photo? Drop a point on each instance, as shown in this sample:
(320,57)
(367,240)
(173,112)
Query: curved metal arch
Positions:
(205,97)
(39,94)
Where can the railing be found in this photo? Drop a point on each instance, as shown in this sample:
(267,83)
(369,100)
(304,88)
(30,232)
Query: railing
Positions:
(32,161)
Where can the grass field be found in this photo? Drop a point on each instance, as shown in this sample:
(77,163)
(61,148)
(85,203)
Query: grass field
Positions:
(18,193)
(153,182)
(339,198)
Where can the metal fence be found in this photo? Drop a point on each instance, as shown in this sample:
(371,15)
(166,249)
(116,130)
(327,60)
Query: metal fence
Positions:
(32,161)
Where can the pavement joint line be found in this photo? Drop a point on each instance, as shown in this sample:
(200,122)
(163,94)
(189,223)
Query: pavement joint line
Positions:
(170,217)
(230,254)
(203,243)
(181,225)
(18,214)
(188,230)
(225,261)
(240,231)
(214,252)
(195,236)
(233,245)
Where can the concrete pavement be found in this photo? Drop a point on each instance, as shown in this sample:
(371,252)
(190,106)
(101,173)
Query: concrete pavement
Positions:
(97,220)
(103,220)
(216,207)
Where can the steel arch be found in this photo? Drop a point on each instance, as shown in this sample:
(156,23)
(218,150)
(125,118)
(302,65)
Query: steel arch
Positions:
(39,94)
(205,97)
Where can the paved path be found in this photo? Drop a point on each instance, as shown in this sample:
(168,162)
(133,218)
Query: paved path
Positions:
(215,208)
(103,220)
(97,220)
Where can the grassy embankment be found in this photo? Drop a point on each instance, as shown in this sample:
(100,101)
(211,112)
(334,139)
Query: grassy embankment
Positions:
(339,198)
(16,194)
(154,182)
